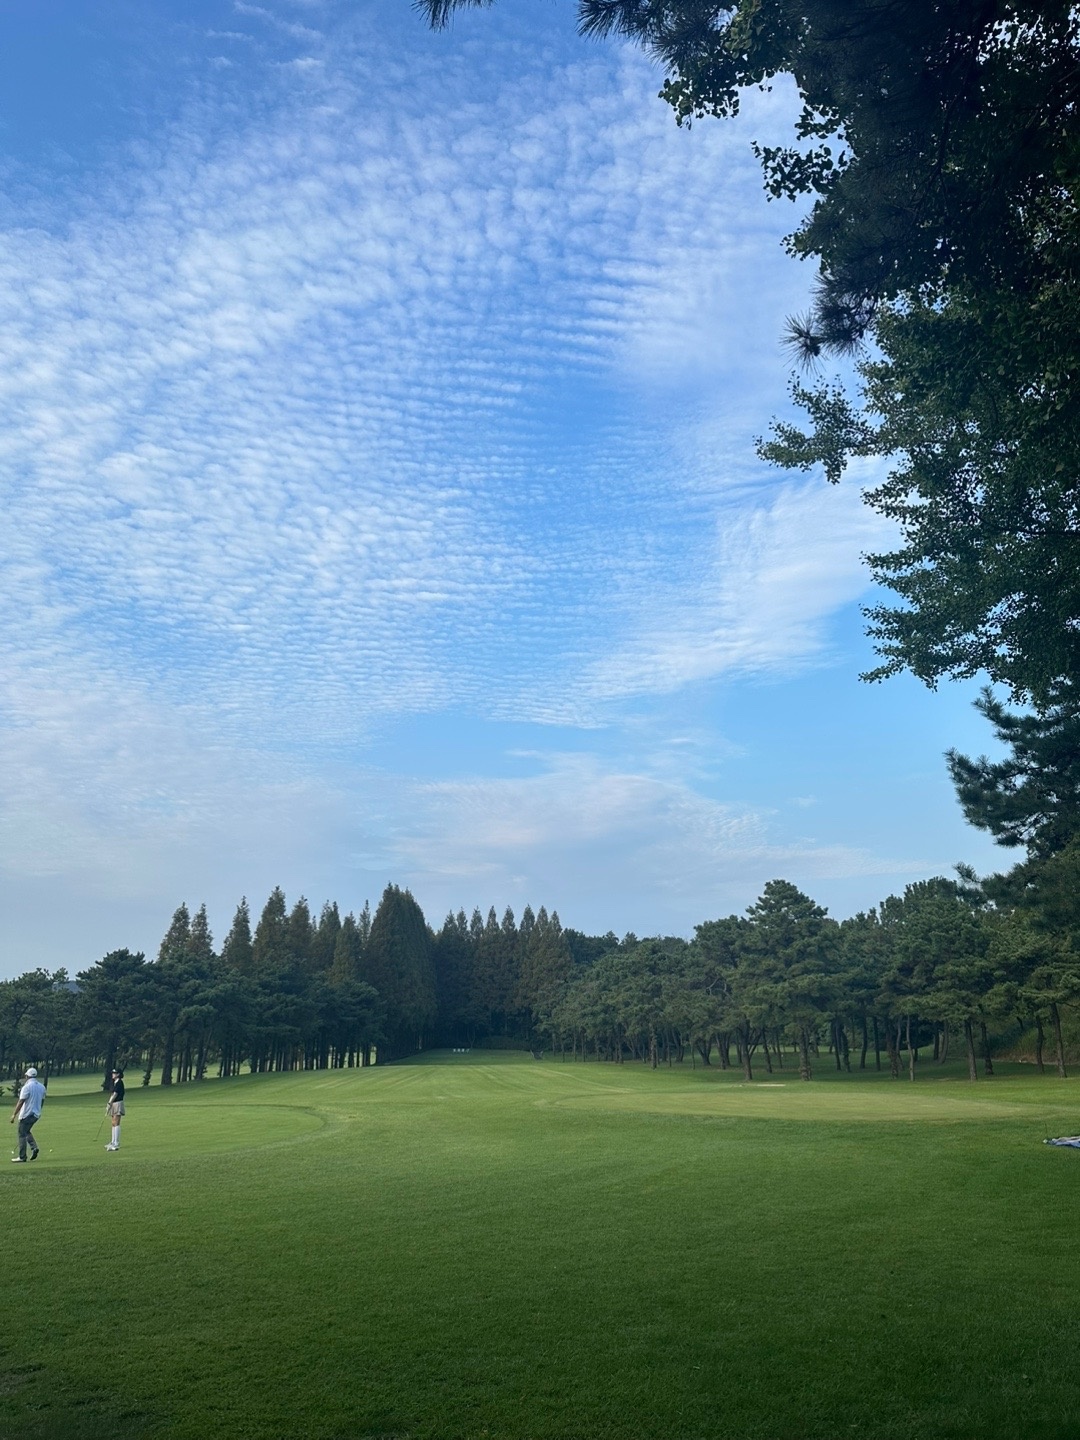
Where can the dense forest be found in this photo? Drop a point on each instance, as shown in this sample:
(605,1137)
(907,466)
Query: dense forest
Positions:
(944,968)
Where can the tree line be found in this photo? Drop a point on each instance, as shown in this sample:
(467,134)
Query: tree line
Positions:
(948,963)
(291,992)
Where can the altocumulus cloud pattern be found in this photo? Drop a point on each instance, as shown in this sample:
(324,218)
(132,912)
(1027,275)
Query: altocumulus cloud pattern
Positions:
(382,383)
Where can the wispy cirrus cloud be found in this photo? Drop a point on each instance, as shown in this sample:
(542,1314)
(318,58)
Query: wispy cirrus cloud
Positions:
(763,585)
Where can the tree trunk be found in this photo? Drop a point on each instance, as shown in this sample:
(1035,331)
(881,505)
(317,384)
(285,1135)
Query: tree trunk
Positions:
(765,1048)
(1039,1041)
(892,1044)
(969,1036)
(744,1051)
(779,1043)
(805,1072)
(865,1045)
(836,1042)
(943,1054)
(910,1052)
(167,1058)
(149,1065)
(988,1064)
(1055,1020)
(877,1046)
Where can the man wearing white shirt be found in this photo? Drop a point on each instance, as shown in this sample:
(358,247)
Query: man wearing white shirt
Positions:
(28,1110)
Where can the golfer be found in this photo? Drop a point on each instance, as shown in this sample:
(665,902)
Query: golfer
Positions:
(115,1108)
(28,1111)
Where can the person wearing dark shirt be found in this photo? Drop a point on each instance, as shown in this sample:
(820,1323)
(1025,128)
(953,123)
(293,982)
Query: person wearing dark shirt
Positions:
(115,1108)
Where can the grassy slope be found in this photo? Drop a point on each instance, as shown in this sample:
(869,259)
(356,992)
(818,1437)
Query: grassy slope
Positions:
(490,1246)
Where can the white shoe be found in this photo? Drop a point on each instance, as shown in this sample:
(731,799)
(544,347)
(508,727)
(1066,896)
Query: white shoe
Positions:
(112,1147)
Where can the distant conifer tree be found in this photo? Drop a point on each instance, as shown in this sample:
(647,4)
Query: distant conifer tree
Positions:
(270,946)
(236,951)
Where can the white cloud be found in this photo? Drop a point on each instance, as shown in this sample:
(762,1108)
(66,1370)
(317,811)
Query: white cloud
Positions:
(275,403)
(380,400)
(607,847)
(756,597)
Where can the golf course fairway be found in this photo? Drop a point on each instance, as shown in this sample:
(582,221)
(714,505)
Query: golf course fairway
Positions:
(487,1245)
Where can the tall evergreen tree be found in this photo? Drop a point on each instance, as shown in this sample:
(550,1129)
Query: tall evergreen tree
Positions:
(300,933)
(236,953)
(115,1007)
(324,940)
(544,973)
(201,942)
(798,947)
(347,965)
(363,923)
(177,937)
(270,948)
(399,966)
(460,1020)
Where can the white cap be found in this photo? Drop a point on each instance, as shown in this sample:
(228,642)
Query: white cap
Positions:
(31,1074)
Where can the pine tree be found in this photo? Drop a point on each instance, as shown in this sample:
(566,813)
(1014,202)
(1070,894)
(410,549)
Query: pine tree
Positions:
(797,948)
(201,942)
(178,936)
(300,933)
(347,965)
(174,959)
(237,963)
(1032,797)
(460,1020)
(544,973)
(363,923)
(270,947)
(399,966)
(236,952)
(528,920)
(324,941)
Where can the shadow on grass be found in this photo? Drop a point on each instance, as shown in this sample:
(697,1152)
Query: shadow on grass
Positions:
(31,1421)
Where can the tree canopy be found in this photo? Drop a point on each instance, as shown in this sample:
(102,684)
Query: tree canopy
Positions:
(1032,796)
(947,958)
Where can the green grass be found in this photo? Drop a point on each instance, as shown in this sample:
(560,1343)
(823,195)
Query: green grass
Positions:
(488,1246)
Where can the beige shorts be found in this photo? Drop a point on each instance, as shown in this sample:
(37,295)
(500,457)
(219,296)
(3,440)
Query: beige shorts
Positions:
(116,1109)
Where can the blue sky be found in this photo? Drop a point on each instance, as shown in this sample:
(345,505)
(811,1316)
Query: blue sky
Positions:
(382,502)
